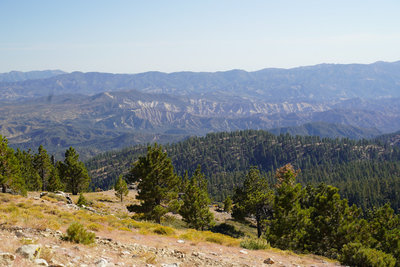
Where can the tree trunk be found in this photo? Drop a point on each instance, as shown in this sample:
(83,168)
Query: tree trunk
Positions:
(258,219)
(4,188)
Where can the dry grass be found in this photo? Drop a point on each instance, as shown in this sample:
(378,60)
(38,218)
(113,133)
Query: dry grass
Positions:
(199,236)
(49,213)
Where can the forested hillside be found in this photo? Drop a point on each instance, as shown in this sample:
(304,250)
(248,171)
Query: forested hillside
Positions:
(366,172)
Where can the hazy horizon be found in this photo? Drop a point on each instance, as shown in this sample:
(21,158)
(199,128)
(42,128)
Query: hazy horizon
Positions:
(295,67)
(136,36)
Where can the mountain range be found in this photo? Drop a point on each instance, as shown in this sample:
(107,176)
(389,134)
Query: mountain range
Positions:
(96,112)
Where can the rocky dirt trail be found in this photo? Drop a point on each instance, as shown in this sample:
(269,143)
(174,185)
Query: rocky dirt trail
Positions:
(135,250)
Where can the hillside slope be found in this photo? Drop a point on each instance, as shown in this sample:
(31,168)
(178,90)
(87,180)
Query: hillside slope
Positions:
(42,221)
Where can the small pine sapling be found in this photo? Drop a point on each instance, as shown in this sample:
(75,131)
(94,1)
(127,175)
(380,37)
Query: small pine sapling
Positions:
(121,188)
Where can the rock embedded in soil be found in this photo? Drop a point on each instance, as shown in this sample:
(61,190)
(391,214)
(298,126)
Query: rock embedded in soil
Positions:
(29,251)
(6,259)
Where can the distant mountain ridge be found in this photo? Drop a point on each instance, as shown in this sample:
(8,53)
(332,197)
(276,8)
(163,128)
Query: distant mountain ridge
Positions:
(323,82)
(18,76)
(88,110)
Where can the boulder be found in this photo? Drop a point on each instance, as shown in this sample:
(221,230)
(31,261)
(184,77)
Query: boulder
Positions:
(29,251)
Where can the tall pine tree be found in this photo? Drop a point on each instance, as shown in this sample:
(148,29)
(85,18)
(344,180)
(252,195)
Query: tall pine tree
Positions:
(158,183)
(73,173)
(28,172)
(42,164)
(287,228)
(10,175)
(195,210)
(255,198)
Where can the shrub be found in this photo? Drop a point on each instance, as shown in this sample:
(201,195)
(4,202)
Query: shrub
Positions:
(164,230)
(227,229)
(172,221)
(355,254)
(255,243)
(77,233)
(81,201)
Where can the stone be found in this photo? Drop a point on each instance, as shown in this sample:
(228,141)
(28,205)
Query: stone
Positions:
(125,253)
(180,241)
(244,251)
(55,263)
(29,251)
(40,262)
(45,234)
(101,263)
(170,265)
(6,259)
(269,261)
(20,234)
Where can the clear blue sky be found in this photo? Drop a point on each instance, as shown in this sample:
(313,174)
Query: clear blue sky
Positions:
(167,35)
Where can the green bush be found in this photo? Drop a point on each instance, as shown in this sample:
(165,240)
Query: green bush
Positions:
(81,200)
(255,243)
(77,233)
(355,254)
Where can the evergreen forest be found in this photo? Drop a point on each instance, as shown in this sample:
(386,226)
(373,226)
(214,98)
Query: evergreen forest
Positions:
(367,172)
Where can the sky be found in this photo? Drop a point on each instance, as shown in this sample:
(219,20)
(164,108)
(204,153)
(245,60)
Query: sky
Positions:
(204,35)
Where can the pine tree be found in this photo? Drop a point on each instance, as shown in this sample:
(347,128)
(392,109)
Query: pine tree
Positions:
(81,200)
(54,179)
(228,204)
(10,175)
(195,210)
(73,173)
(28,172)
(158,184)
(287,228)
(255,198)
(42,164)
(121,188)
